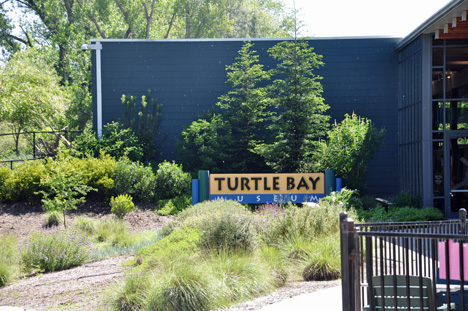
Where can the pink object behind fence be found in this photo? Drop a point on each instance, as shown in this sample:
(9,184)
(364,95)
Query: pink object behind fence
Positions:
(454,260)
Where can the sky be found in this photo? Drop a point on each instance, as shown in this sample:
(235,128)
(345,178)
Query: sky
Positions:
(343,18)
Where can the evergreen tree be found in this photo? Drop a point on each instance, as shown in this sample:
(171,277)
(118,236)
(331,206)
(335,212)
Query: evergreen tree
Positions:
(245,108)
(297,94)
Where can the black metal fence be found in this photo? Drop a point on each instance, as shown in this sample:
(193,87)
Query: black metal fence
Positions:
(40,147)
(404,266)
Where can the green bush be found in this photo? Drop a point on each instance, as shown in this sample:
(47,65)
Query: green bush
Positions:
(346,198)
(116,141)
(97,173)
(55,250)
(134,179)
(204,144)
(121,205)
(5,174)
(171,181)
(406,198)
(349,147)
(8,259)
(24,183)
(400,214)
(174,205)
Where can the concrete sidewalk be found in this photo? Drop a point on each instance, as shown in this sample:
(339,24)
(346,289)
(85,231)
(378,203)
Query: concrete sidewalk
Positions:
(328,299)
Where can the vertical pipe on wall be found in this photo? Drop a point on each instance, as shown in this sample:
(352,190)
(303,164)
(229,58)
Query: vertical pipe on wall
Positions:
(99,89)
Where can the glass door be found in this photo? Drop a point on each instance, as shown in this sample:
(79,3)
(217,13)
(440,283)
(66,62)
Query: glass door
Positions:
(456,168)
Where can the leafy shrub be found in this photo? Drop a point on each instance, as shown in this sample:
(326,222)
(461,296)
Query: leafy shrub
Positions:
(53,218)
(56,250)
(406,198)
(346,198)
(5,174)
(86,144)
(97,173)
(121,205)
(174,205)
(134,179)
(205,144)
(171,181)
(116,141)
(65,188)
(147,126)
(24,183)
(349,147)
(400,214)
(8,259)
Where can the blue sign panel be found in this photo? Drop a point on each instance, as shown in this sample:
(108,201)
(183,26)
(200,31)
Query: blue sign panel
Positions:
(268,198)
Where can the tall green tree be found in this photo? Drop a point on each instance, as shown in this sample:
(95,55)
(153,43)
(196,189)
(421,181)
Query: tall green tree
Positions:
(246,109)
(59,27)
(297,95)
(31,96)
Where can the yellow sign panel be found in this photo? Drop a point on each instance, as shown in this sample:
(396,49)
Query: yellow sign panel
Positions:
(297,183)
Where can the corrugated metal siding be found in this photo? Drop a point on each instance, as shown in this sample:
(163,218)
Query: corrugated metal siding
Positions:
(410,117)
(187,77)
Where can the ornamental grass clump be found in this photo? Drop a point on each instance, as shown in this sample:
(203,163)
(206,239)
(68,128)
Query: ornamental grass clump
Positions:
(8,259)
(56,250)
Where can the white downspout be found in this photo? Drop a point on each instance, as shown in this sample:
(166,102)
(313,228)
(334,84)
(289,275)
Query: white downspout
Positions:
(97,47)
(99,89)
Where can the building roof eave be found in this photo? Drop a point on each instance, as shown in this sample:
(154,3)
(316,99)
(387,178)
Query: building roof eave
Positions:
(440,17)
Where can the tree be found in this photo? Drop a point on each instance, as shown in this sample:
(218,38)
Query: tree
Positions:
(245,108)
(348,148)
(297,95)
(31,97)
(59,27)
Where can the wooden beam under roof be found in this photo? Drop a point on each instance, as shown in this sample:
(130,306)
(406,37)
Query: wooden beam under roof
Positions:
(458,29)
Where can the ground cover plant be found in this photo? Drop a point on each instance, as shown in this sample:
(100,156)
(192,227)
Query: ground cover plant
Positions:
(246,254)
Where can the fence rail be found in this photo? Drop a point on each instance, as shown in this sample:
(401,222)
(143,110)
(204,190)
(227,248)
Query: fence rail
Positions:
(35,153)
(379,260)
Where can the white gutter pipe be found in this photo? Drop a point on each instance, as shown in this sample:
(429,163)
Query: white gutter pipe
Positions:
(97,47)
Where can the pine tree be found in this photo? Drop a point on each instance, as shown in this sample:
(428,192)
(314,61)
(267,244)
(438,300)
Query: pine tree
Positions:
(245,109)
(297,95)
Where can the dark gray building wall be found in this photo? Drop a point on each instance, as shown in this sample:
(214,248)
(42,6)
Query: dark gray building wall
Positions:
(187,77)
(410,117)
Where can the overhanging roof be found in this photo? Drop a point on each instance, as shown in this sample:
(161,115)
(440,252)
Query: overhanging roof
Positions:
(448,23)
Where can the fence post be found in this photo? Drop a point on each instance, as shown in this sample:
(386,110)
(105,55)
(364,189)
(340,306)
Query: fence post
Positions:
(348,262)
(462,217)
